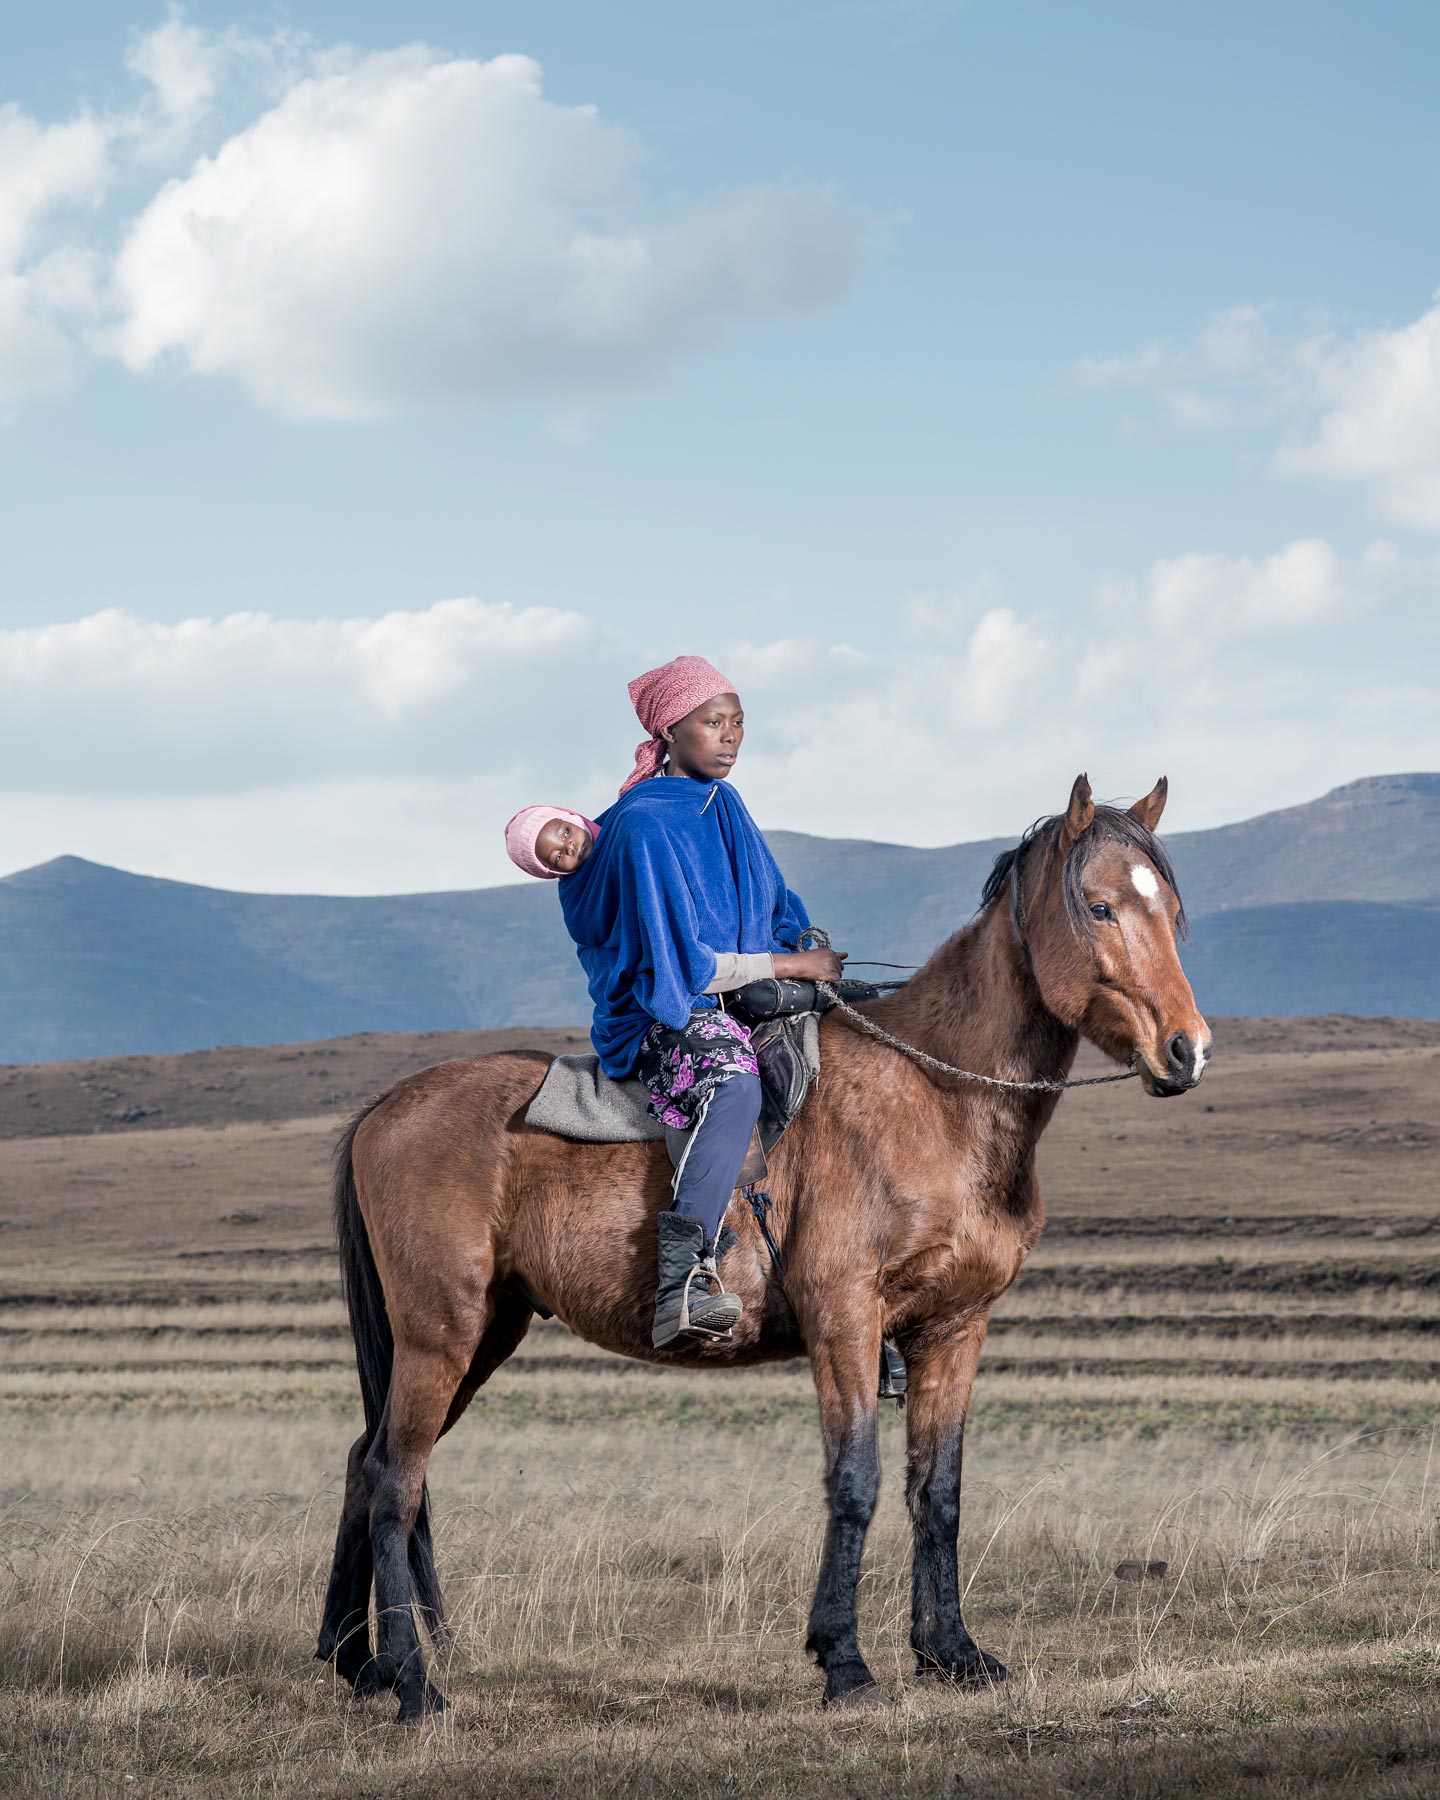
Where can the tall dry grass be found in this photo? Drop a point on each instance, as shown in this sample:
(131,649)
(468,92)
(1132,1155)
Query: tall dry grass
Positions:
(629,1610)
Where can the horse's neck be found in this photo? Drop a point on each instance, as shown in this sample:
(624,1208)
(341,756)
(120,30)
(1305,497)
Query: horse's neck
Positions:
(976,1006)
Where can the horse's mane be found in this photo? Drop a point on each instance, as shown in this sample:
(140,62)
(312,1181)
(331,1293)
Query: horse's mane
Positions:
(1111,824)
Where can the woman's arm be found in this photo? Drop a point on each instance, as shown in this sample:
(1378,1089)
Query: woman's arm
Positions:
(734,968)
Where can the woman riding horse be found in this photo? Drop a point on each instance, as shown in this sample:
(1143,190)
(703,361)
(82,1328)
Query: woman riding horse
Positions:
(906,1199)
(679,902)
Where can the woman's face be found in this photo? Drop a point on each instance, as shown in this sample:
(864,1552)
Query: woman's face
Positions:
(705,743)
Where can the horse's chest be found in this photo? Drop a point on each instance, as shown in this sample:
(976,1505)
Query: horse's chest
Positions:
(959,1251)
(969,1271)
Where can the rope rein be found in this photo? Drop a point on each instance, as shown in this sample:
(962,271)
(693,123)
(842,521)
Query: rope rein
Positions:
(923,1057)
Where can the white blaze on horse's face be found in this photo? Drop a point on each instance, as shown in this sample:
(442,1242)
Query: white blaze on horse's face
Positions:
(1145,883)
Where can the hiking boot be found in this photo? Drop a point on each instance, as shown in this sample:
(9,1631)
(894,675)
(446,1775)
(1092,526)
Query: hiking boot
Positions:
(691,1301)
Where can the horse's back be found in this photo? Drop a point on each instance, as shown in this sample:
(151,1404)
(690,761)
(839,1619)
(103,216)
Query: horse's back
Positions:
(459,1127)
(451,1104)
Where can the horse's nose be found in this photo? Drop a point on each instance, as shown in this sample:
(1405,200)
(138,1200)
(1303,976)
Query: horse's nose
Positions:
(1181,1055)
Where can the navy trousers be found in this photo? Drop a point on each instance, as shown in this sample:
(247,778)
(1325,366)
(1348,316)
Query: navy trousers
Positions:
(713,1151)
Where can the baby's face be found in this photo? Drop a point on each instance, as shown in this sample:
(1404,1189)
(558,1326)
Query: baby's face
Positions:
(562,846)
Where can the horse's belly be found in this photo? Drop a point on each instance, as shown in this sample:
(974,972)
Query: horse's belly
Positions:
(592,1258)
(762,1335)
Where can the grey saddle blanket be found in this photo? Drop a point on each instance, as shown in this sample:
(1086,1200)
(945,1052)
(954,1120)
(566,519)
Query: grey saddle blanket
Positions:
(576,1101)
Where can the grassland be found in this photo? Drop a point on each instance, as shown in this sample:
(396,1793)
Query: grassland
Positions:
(1221,1358)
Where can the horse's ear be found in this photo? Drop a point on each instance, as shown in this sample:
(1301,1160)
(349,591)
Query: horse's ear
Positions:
(1148,810)
(1080,813)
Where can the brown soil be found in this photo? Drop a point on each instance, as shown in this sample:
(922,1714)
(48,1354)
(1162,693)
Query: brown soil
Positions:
(238,1084)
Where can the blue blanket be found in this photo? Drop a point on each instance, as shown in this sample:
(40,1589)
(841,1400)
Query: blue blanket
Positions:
(679,872)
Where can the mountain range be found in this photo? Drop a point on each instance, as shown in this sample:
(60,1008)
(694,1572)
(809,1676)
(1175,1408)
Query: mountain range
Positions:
(1329,907)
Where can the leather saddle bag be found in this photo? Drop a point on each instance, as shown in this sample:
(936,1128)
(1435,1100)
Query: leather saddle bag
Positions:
(776,998)
(784,1075)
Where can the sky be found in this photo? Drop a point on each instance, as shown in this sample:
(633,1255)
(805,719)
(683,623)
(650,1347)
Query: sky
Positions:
(993,389)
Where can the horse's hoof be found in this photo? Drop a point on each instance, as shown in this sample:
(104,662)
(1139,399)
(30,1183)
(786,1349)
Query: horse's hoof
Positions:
(362,1677)
(869,1698)
(872,1698)
(429,1703)
(978,1671)
(367,1681)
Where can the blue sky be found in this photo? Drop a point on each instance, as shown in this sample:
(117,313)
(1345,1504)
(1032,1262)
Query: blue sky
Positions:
(994,389)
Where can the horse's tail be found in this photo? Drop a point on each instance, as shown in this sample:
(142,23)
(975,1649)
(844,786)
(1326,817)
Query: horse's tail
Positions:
(375,1350)
(360,1281)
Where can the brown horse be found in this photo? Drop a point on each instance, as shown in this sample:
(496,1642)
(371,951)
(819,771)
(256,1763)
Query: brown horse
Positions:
(905,1204)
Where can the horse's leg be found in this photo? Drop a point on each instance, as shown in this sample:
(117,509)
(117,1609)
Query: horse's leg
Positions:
(345,1627)
(510,1318)
(941,1374)
(509,1321)
(421,1387)
(424,1582)
(844,1360)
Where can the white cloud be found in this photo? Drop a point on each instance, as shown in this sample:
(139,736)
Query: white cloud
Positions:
(1360,405)
(189,73)
(358,755)
(1005,658)
(183,64)
(407,229)
(43,169)
(1252,682)
(1205,598)
(1236,371)
(116,703)
(1379,394)
(371,233)
(780,664)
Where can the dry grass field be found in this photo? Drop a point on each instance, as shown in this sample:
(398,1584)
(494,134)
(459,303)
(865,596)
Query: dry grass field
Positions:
(1221,1358)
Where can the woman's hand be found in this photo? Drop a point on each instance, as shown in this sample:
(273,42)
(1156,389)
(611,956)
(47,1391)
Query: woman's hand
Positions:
(810,965)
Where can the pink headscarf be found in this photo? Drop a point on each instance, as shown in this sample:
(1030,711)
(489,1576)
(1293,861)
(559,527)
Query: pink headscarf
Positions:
(662,697)
(526,826)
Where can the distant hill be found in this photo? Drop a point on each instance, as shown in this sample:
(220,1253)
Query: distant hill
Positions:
(1331,907)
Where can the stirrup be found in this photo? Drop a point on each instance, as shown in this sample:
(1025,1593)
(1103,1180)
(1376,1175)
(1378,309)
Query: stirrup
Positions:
(706,1267)
(893,1376)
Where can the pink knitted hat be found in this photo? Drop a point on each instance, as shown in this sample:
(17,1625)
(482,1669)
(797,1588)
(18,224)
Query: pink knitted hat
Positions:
(664,695)
(526,826)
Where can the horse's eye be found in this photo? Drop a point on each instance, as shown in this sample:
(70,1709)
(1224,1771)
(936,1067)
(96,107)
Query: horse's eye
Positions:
(1102,911)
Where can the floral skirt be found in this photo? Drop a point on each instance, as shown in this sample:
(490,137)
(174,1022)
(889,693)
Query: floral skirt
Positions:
(683,1068)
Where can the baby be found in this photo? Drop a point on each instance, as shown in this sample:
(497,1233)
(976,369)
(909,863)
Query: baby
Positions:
(548,841)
